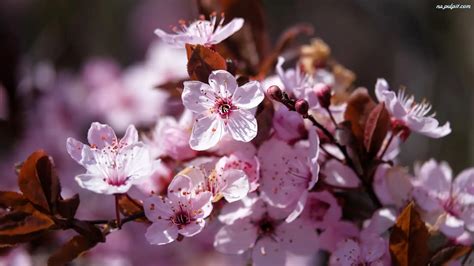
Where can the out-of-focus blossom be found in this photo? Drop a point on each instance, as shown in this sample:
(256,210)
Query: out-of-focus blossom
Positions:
(450,203)
(113,165)
(407,113)
(222,107)
(393,185)
(241,161)
(181,213)
(171,137)
(204,32)
(338,174)
(288,125)
(232,184)
(287,173)
(264,231)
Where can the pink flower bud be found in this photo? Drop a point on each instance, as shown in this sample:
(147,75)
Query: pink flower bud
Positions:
(302,106)
(275,92)
(323,92)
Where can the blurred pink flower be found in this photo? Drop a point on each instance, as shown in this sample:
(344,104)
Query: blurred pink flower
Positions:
(181,213)
(450,202)
(204,32)
(406,112)
(222,107)
(288,125)
(366,251)
(171,138)
(113,165)
(392,185)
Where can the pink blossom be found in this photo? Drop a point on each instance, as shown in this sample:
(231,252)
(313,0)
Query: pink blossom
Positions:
(264,231)
(338,174)
(287,173)
(181,213)
(232,184)
(367,251)
(288,125)
(204,32)
(222,107)
(392,185)
(112,165)
(408,113)
(451,201)
(241,161)
(171,138)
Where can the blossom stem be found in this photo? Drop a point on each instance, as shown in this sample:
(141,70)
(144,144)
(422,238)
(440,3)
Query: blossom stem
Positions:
(117,211)
(332,117)
(392,136)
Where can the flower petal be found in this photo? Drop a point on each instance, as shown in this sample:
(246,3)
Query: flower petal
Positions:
(179,188)
(101,135)
(248,96)
(237,185)
(236,238)
(223,83)
(193,228)
(227,30)
(242,125)
(161,233)
(97,184)
(74,148)
(268,252)
(338,174)
(207,131)
(347,252)
(198,96)
(130,137)
(157,208)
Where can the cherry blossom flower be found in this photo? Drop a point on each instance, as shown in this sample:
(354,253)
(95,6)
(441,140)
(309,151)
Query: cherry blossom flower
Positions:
(112,165)
(222,107)
(171,137)
(407,113)
(367,251)
(287,173)
(232,184)
(449,202)
(393,185)
(288,125)
(204,32)
(241,161)
(181,213)
(265,233)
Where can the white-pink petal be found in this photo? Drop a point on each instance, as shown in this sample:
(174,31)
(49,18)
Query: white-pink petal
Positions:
(198,97)
(248,96)
(161,233)
(101,135)
(237,185)
(207,131)
(227,30)
(223,83)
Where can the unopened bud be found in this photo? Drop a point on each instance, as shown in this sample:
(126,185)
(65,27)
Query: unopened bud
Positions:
(275,92)
(302,106)
(323,92)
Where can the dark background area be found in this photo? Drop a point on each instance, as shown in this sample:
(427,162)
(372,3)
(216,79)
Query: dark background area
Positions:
(410,43)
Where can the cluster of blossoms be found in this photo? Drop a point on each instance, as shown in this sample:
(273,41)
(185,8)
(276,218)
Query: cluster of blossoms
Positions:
(273,163)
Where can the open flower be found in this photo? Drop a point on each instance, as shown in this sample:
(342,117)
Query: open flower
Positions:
(232,184)
(112,165)
(288,173)
(407,113)
(222,107)
(264,231)
(204,32)
(450,203)
(181,213)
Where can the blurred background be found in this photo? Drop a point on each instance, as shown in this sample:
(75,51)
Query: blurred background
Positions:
(51,51)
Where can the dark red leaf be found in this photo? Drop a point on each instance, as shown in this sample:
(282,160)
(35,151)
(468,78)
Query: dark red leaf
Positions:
(88,230)
(17,226)
(409,239)
(49,181)
(71,250)
(30,183)
(67,207)
(359,106)
(129,206)
(449,254)
(376,129)
(202,61)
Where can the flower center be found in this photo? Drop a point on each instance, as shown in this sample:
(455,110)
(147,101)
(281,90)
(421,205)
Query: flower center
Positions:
(181,218)
(266,227)
(224,107)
